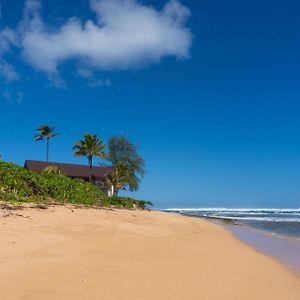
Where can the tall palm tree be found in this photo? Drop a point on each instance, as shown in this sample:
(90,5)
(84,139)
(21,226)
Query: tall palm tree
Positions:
(90,147)
(45,132)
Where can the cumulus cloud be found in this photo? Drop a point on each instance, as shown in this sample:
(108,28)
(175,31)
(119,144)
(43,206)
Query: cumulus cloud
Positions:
(125,34)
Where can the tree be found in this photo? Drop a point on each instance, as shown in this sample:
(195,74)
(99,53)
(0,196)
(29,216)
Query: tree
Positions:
(119,177)
(128,166)
(90,147)
(45,132)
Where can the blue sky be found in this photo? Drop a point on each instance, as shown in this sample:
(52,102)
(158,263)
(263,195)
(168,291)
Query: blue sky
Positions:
(210,94)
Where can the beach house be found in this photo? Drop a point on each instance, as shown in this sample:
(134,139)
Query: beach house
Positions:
(97,174)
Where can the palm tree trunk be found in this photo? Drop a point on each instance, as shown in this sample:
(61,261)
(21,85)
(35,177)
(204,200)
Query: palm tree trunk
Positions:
(47,151)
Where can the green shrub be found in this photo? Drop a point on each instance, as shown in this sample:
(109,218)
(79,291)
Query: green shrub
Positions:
(125,202)
(20,185)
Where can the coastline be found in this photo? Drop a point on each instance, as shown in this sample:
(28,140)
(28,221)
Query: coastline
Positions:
(284,249)
(71,253)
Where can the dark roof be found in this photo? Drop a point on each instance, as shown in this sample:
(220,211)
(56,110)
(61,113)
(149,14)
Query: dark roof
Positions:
(71,170)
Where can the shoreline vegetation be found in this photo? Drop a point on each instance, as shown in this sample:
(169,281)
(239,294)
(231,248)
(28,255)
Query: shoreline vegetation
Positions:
(125,171)
(128,167)
(18,185)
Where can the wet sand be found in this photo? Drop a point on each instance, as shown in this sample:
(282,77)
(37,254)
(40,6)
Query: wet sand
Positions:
(284,249)
(68,253)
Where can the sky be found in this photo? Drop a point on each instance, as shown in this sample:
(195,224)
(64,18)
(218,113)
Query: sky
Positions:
(208,90)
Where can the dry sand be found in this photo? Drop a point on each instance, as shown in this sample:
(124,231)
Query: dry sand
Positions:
(60,253)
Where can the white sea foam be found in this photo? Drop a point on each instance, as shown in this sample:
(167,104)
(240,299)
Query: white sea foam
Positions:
(263,219)
(245,214)
(219,209)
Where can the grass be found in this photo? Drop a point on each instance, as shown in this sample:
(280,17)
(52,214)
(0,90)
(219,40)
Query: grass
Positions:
(18,185)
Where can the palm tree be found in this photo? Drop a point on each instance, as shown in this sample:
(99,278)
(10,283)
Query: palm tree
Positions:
(119,177)
(90,147)
(45,132)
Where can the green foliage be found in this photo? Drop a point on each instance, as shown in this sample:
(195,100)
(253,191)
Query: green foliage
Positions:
(90,146)
(119,177)
(20,185)
(45,132)
(125,202)
(128,165)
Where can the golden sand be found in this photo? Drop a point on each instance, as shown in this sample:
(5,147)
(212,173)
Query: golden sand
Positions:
(64,253)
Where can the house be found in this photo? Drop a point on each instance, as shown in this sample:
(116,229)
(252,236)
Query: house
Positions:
(98,174)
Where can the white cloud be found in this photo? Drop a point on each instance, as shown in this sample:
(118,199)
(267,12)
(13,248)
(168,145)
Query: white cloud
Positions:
(7,39)
(8,72)
(93,81)
(125,35)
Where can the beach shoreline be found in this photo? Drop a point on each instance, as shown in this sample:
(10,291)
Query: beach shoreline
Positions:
(283,248)
(64,252)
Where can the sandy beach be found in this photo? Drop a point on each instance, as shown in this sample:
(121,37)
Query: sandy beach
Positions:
(67,253)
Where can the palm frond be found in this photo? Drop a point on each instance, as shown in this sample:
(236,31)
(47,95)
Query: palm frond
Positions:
(45,132)
(90,146)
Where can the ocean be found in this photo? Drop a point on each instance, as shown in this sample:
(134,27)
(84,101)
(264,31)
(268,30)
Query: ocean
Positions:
(281,221)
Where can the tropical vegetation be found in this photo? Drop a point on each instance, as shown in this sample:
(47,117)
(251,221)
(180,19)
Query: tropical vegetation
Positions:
(118,178)
(45,132)
(128,166)
(90,146)
(20,185)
